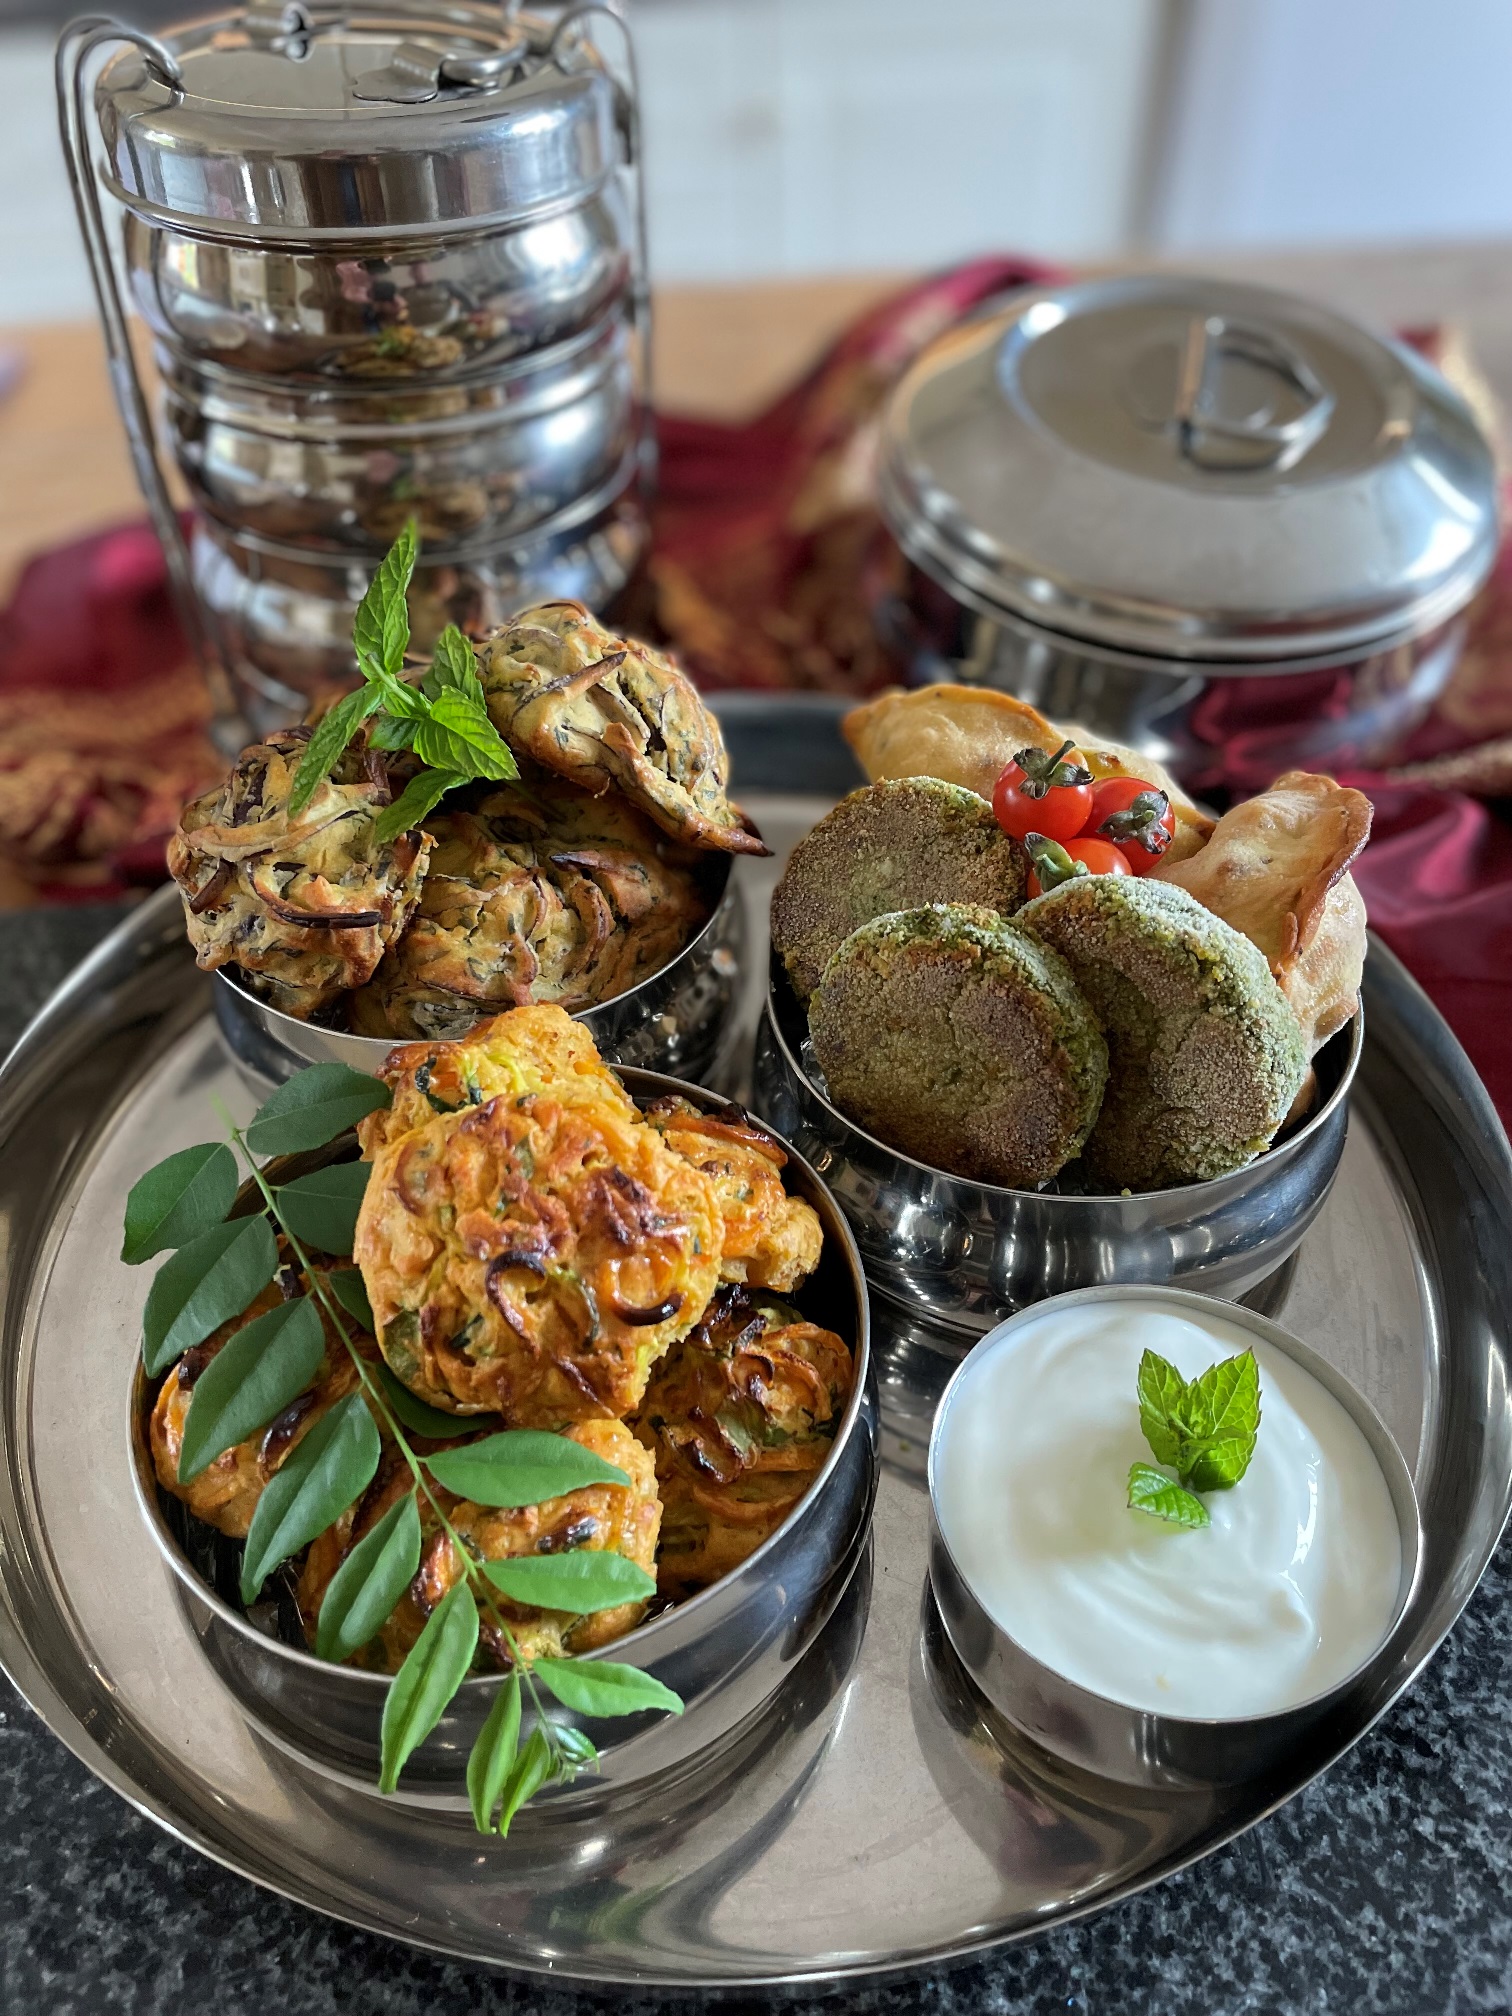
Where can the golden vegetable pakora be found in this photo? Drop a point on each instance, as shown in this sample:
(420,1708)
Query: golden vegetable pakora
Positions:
(740,1416)
(534,1257)
(305,905)
(624,1519)
(607,712)
(770,1240)
(540,893)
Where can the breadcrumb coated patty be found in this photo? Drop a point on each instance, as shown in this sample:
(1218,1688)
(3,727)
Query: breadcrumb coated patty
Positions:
(957,1037)
(1205,1057)
(889,846)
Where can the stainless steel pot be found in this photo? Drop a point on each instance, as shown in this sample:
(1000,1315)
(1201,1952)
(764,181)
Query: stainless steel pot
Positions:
(725,1651)
(1221,523)
(393,263)
(1135,1745)
(956,1257)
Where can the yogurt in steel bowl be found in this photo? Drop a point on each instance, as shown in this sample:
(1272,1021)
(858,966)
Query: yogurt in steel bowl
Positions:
(1141,1648)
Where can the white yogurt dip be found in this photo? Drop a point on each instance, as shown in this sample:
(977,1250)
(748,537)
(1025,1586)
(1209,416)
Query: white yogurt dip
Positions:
(1290,1588)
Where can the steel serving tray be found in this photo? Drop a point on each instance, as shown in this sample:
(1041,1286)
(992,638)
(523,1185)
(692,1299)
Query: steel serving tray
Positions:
(877,1814)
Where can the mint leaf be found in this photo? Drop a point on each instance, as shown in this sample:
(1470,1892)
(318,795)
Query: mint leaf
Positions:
(380,629)
(419,797)
(1161,1392)
(387,733)
(453,665)
(401,701)
(460,736)
(1230,1398)
(1152,1491)
(324,747)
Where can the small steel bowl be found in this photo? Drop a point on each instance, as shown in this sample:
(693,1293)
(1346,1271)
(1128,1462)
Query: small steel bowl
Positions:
(681,1020)
(963,1255)
(1134,1745)
(725,1651)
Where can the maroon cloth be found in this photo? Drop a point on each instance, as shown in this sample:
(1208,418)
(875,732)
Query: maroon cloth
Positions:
(759,574)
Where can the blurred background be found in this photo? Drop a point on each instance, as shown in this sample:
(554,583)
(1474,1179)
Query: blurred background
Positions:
(795,137)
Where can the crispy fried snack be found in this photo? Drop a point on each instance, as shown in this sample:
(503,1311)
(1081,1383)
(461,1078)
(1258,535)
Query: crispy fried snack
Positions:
(604,711)
(968,734)
(771,1240)
(541,894)
(1276,868)
(305,906)
(625,1519)
(740,1416)
(226,1492)
(525,1050)
(535,1257)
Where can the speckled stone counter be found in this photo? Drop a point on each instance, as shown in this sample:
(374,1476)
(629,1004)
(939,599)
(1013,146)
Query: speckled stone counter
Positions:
(1385,1887)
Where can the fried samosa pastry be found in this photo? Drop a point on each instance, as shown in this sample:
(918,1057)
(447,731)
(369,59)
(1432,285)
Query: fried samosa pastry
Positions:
(1276,868)
(624,1519)
(740,1417)
(606,712)
(306,905)
(968,735)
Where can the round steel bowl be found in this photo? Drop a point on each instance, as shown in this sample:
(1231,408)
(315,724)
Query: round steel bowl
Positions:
(960,1256)
(680,1020)
(1136,1745)
(725,1651)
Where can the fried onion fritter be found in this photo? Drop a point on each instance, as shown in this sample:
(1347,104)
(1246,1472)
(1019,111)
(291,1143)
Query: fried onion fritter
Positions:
(226,1491)
(305,906)
(740,1416)
(524,1050)
(621,1518)
(604,712)
(535,1257)
(544,893)
(771,1240)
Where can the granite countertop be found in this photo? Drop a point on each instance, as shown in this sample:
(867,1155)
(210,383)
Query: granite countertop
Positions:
(1384,1887)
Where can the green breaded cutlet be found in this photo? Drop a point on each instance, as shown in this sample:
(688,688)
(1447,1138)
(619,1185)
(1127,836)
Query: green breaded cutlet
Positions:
(961,1040)
(1204,1055)
(889,846)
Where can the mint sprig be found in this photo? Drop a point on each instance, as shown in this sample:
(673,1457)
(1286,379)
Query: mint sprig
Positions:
(1204,1429)
(444,719)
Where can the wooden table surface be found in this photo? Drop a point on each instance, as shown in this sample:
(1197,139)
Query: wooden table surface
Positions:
(721,351)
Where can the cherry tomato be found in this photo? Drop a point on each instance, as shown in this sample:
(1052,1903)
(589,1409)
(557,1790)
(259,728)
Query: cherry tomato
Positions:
(1136,816)
(1042,791)
(1064,860)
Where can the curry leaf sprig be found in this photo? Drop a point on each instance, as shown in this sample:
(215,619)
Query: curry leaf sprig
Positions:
(1204,1429)
(444,719)
(218,1267)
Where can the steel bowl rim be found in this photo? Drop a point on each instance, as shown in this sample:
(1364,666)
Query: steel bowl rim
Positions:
(1313,1124)
(656,1084)
(1357,1405)
(276,1019)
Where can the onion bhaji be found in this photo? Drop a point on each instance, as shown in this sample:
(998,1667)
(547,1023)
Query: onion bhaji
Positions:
(544,893)
(605,712)
(306,906)
(740,1416)
(534,1255)
(622,1518)
(771,1240)
(226,1491)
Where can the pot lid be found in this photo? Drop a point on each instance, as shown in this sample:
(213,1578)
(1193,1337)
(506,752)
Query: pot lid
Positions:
(291,123)
(1191,468)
